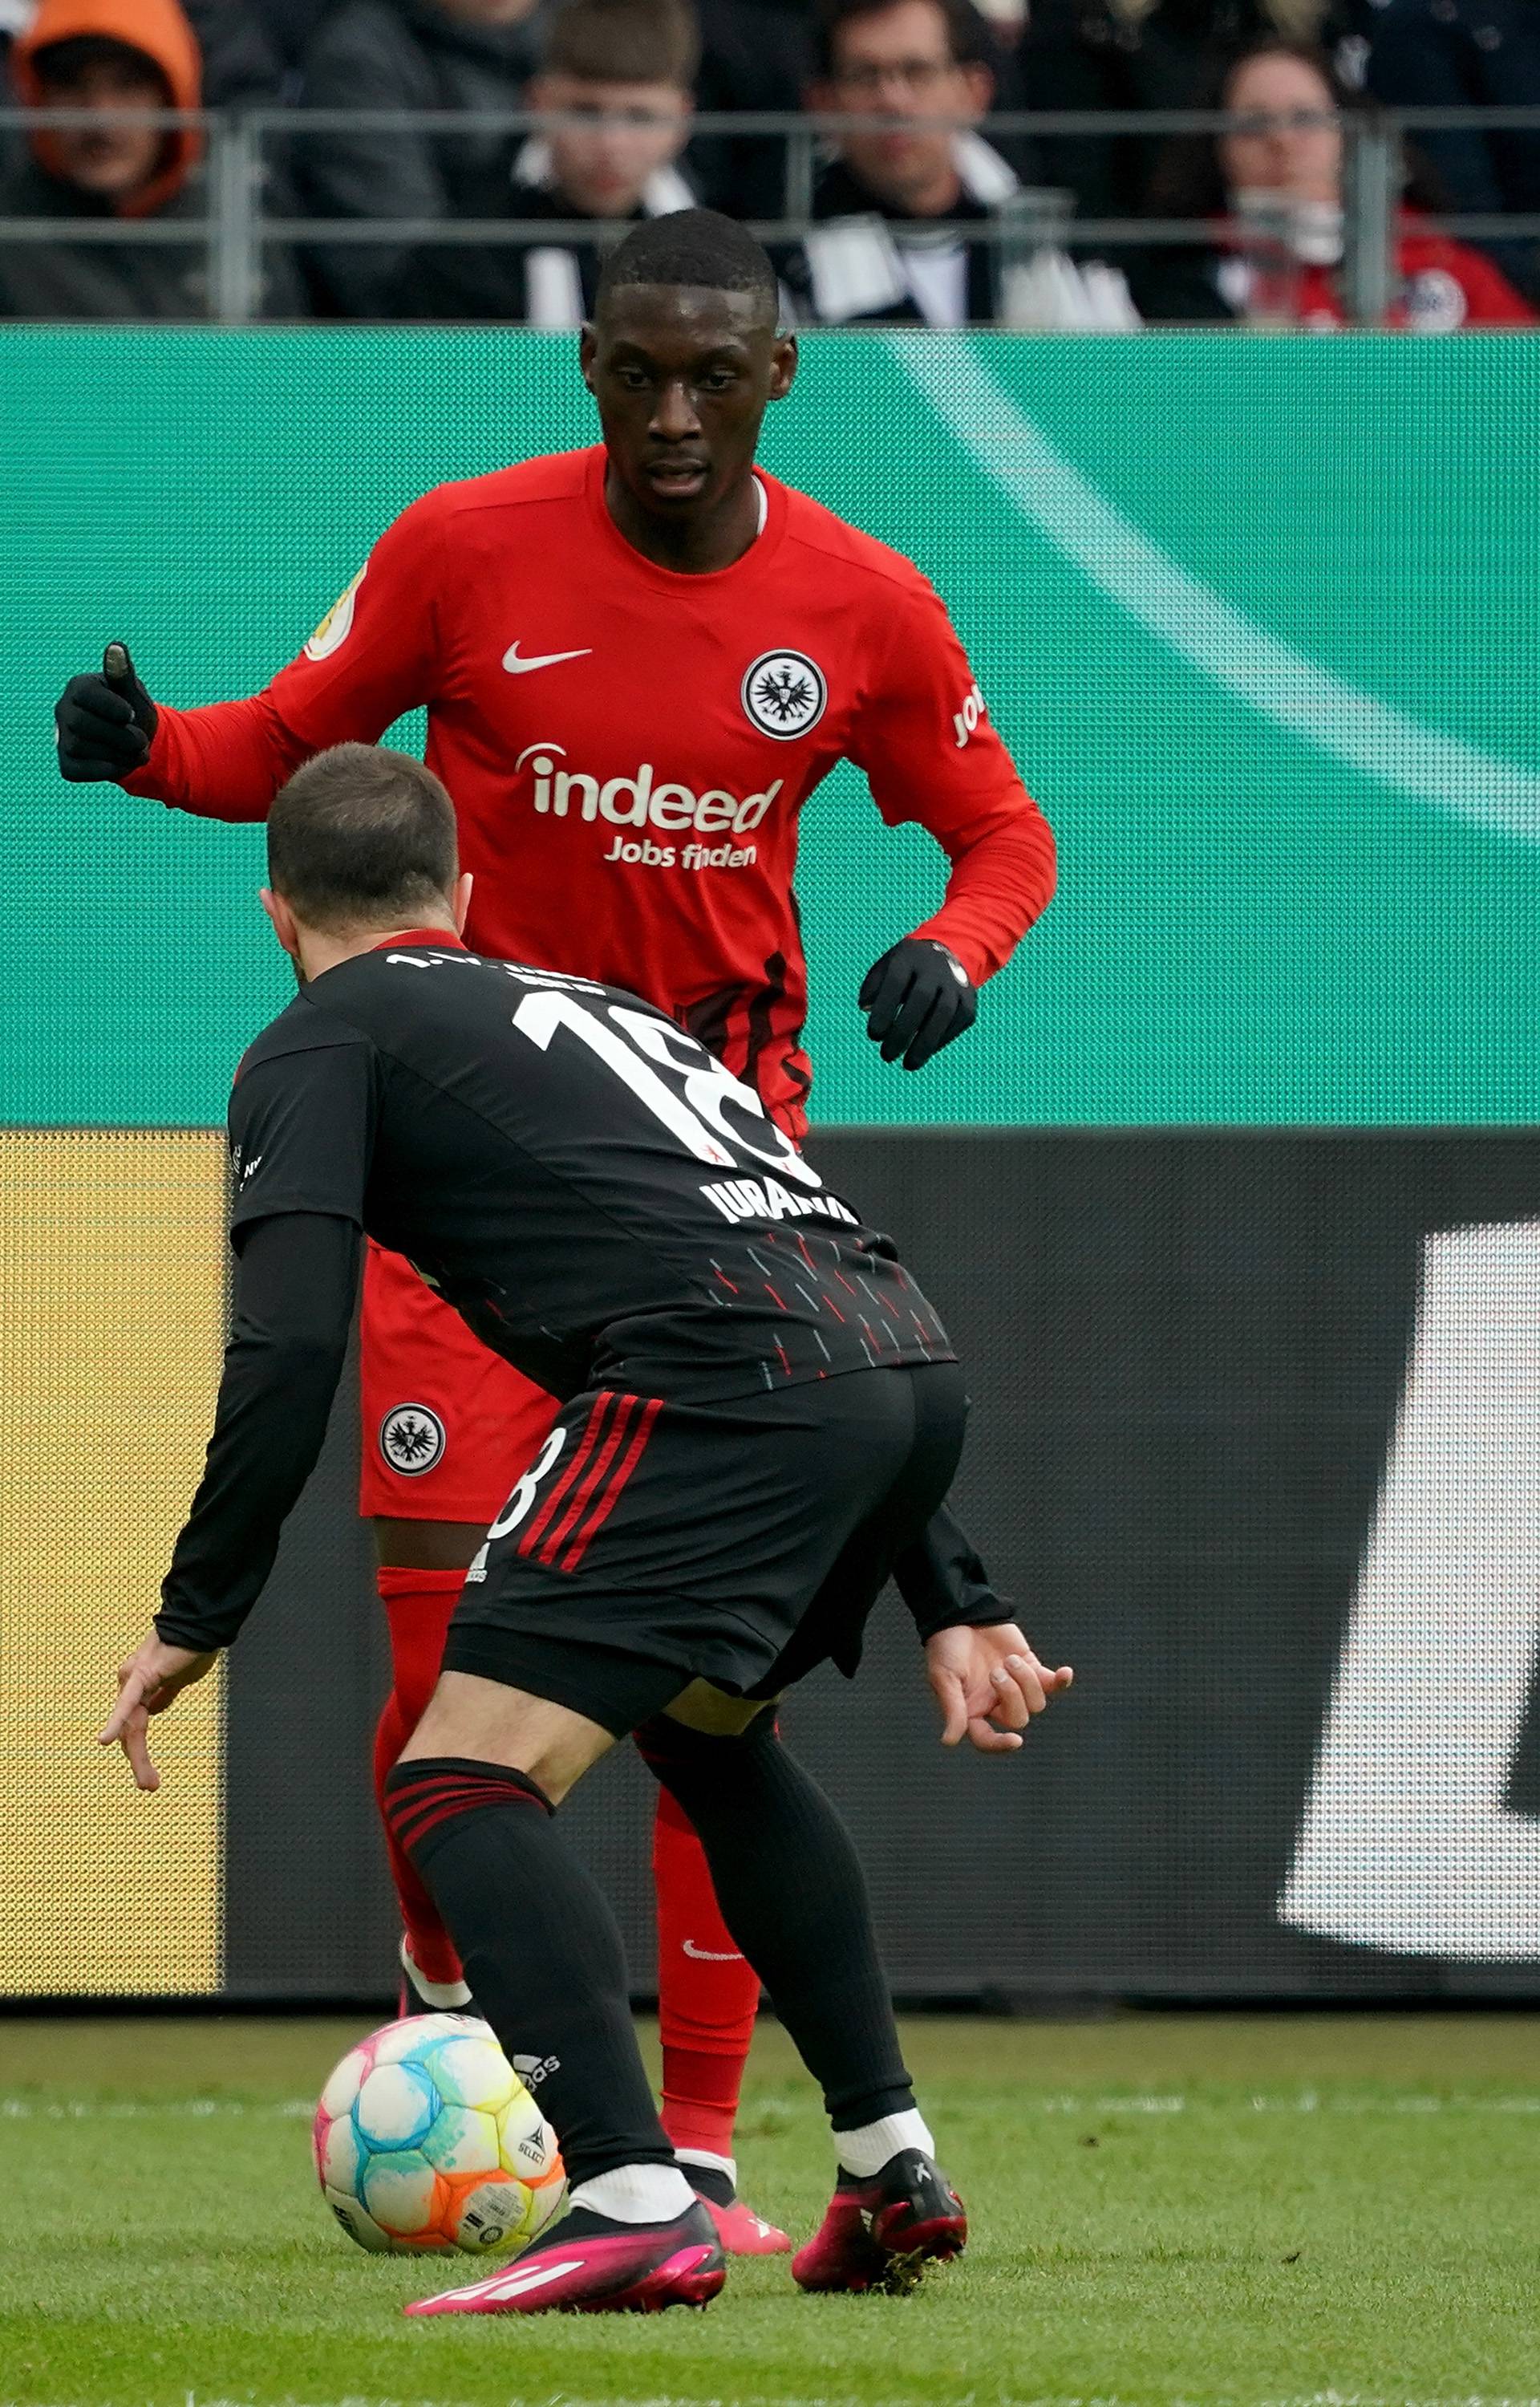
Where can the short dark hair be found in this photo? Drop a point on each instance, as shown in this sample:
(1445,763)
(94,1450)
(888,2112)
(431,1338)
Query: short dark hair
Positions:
(623,41)
(967,35)
(698,247)
(361,837)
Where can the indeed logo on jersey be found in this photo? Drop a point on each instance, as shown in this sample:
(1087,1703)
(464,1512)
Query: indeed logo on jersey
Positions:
(637,801)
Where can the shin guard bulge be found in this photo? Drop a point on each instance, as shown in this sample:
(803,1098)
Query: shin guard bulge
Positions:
(541,1951)
(417,1609)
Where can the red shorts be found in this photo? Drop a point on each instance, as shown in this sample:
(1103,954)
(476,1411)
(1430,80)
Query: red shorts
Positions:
(448,1427)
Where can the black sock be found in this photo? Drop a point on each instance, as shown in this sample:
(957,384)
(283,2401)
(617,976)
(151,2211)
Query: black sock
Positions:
(709,2180)
(541,1951)
(794,1897)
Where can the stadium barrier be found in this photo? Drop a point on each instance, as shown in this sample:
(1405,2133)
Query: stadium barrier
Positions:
(1230,1200)
(241,145)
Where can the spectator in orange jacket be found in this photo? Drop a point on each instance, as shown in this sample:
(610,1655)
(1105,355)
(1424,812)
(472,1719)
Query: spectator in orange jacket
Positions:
(108,57)
(1289,158)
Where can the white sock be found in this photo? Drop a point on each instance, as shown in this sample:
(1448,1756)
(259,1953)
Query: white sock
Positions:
(866,2150)
(727,2165)
(636,2194)
(439,1997)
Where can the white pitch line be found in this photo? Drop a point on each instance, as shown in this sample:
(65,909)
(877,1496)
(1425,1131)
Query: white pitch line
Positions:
(1298,2101)
(1221,642)
(138,2110)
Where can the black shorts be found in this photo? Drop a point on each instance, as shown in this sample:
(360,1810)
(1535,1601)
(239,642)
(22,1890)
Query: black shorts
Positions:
(652,1543)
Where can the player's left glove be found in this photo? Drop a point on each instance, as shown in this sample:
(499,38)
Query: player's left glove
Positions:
(917,998)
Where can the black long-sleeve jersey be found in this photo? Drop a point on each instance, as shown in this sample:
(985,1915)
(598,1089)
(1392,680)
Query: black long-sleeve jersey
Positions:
(595,1194)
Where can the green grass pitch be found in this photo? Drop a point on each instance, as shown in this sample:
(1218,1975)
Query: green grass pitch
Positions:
(1172,2209)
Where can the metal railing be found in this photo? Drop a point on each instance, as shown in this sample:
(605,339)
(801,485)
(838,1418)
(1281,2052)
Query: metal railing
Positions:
(237,225)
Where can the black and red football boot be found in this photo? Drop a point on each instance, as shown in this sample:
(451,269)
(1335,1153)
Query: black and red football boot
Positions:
(882,2231)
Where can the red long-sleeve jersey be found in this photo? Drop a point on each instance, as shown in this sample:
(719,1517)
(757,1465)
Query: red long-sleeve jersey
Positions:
(629,748)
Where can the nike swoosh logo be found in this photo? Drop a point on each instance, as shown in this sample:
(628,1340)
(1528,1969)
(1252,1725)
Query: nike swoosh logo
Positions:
(517,667)
(712,1955)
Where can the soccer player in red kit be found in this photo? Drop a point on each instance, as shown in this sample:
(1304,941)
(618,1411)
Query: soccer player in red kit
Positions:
(638,661)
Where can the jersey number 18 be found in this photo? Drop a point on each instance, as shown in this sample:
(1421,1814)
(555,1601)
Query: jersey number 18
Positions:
(690,1101)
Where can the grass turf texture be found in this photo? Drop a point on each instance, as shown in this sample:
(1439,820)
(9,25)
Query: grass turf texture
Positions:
(1200,2208)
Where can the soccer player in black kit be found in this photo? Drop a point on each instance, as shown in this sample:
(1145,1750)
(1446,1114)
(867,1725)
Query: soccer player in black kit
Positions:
(761,1412)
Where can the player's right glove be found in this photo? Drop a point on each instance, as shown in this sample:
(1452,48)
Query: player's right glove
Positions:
(106,723)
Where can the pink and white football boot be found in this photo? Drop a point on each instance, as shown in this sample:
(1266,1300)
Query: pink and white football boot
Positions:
(588,2264)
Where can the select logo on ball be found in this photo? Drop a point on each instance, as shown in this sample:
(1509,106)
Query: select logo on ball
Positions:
(412,1439)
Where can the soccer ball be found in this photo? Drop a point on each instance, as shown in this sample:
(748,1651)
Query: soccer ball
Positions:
(427,2141)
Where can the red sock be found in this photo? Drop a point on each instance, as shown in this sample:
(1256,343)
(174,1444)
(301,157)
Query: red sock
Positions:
(417,1606)
(707,1995)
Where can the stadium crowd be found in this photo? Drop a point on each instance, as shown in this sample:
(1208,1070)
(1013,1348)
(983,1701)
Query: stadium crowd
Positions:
(893,213)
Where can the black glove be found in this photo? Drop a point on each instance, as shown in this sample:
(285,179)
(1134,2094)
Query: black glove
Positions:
(917,998)
(106,723)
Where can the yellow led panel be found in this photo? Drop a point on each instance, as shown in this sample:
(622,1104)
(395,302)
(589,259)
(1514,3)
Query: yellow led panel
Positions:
(111,1269)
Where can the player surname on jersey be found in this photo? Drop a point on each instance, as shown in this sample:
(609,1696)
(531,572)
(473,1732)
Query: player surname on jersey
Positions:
(753,1199)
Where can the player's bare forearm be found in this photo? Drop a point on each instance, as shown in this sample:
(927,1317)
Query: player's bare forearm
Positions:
(989,1683)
